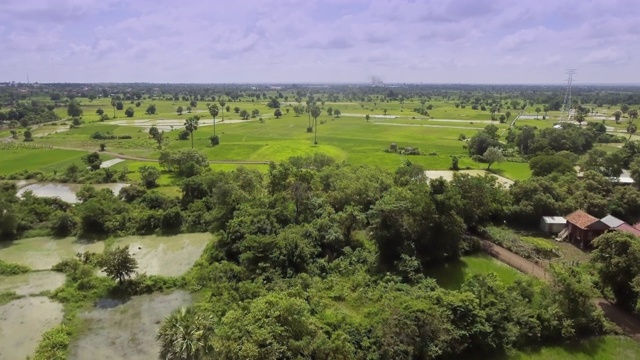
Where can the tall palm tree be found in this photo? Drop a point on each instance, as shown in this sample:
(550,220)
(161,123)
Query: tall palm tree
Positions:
(222,103)
(631,129)
(213,110)
(315,112)
(191,125)
(185,335)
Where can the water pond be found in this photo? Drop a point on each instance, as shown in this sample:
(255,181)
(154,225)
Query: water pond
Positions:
(126,331)
(41,253)
(22,323)
(66,192)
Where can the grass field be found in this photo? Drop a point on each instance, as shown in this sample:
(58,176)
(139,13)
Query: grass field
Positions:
(600,348)
(14,160)
(347,138)
(452,275)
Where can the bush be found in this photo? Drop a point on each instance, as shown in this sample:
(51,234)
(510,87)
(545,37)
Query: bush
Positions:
(310,129)
(214,140)
(409,150)
(12,269)
(54,344)
(63,225)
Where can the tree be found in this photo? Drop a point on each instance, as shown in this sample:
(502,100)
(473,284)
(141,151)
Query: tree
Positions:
(222,103)
(129,112)
(27,135)
(617,261)
(634,170)
(633,114)
(119,105)
(149,175)
(244,114)
(191,125)
(508,115)
(99,111)
(631,129)
(503,119)
(113,104)
(179,110)
(367,117)
(492,155)
(119,264)
(189,109)
(538,110)
(213,110)
(92,160)
(236,109)
(277,113)
(273,103)
(151,109)
(624,108)
(544,165)
(185,335)
(337,113)
(315,112)
(153,132)
(617,115)
(74,109)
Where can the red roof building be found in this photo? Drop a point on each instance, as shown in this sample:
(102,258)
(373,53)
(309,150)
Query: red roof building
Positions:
(583,228)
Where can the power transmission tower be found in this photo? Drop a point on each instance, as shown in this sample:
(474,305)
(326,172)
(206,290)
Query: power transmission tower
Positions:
(566,106)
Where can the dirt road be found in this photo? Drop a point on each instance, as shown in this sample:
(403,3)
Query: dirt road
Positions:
(629,323)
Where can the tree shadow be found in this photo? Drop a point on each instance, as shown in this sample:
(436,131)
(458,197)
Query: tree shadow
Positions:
(450,275)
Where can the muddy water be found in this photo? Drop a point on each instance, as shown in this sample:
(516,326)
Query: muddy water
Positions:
(22,323)
(165,255)
(126,331)
(66,192)
(41,253)
(31,283)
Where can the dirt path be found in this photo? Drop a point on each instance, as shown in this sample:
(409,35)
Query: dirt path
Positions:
(629,323)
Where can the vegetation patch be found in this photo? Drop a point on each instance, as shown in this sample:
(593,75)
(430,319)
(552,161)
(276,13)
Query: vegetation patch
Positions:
(12,269)
(526,246)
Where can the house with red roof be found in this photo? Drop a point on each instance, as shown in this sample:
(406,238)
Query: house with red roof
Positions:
(582,228)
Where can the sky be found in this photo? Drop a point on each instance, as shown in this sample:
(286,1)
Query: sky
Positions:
(327,41)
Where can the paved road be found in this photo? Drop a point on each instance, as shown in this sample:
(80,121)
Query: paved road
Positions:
(629,323)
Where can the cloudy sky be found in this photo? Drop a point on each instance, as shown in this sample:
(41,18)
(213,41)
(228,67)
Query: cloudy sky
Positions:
(428,41)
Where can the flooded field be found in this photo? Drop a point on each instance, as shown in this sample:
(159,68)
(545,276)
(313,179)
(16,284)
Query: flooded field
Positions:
(41,253)
(127,331)
(66,192)
(22,323)
(31,283)
(165,255)
(171,124)
(448,175)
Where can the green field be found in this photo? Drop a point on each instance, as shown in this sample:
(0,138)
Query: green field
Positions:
(600,348)
(46,160)
(347,138)
(453,274)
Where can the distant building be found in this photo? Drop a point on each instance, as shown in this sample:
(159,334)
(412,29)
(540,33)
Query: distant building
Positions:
(552,224)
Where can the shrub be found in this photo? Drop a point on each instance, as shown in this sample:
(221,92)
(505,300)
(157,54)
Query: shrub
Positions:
(214,140)
(310,129)
(12,269)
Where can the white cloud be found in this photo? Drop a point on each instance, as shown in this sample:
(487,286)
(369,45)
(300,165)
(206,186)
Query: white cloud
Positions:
(318,40)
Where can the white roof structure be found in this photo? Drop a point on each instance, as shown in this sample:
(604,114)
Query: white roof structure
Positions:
(554,219)
(612,221)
